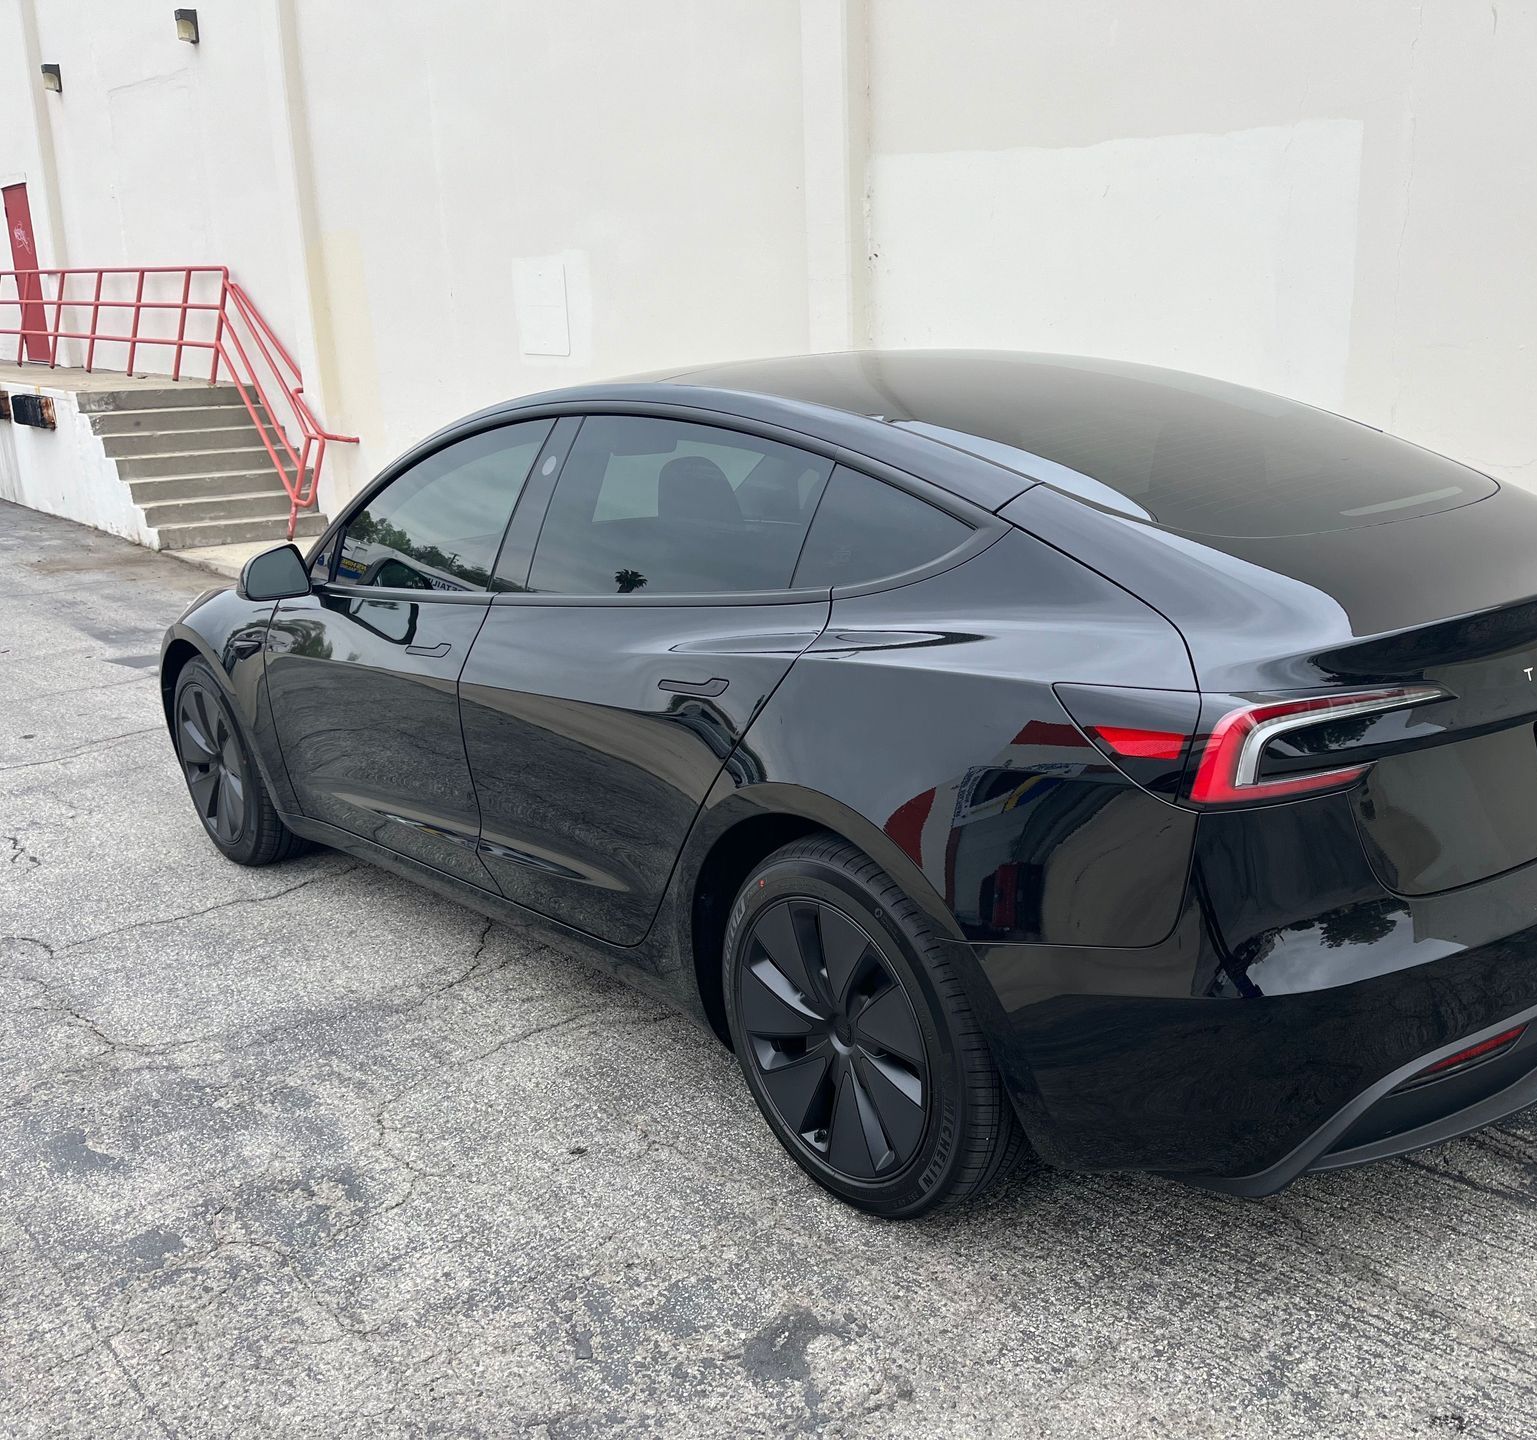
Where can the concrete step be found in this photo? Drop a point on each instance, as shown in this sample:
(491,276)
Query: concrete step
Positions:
(174,442)
(214,507)
(186,394)
(194,487)
(193,462)
(272,526)
(184,417)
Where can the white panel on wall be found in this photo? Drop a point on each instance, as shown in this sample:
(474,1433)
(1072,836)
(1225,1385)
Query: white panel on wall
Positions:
(552,296)
(1226,254)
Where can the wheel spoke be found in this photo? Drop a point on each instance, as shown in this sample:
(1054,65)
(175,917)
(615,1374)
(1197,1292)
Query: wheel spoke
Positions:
(843,947)
(221,821)
(195,738)
(200,710)
(897,1098)
(794,1087)
(781,939)
(770,1004)
(847,1149)
(887,1023)
(882,1153)
(202,782)
(234,801)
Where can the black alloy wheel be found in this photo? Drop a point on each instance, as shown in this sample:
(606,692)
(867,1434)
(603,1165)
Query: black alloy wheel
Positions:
(834,1039)
(851,1024)
(214,767)
(226,787)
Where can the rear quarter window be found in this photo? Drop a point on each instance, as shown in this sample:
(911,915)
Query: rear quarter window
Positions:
(867,530)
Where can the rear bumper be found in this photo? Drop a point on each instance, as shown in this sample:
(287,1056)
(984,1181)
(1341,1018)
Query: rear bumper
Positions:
(1384,1121)
(1151,1059)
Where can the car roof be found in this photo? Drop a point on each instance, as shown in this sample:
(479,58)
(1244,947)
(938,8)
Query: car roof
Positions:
(1194,454)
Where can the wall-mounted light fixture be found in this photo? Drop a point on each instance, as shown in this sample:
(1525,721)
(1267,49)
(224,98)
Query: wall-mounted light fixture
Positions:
(186,26)
(52,80)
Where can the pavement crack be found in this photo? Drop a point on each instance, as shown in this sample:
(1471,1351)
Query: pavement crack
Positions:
(20,855)
(104,744)
(206,910)
(103,1340)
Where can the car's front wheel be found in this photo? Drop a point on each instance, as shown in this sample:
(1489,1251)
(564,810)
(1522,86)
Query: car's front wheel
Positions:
(855,1036)
(226,787)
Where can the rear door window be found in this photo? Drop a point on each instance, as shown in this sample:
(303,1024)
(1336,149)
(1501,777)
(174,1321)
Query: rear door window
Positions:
(662,507)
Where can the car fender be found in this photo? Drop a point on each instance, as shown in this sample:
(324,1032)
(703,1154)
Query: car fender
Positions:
(231,635)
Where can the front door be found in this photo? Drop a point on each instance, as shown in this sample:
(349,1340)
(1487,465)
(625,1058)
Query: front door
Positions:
(34,322)
(363,672)
(615,676)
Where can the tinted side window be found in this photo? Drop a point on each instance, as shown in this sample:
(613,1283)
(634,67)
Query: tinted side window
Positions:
(438,526)
(661,507)
(866,530)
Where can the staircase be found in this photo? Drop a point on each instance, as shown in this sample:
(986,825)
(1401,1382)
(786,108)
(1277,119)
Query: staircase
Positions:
(195,465)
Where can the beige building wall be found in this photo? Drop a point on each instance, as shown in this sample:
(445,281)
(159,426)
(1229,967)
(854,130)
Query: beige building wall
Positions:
(440,207)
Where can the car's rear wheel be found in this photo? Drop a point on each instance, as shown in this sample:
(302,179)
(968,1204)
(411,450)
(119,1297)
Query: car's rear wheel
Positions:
(225,785)
(855,1037)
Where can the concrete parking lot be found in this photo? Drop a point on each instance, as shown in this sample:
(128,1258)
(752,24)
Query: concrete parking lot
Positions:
(308,1150)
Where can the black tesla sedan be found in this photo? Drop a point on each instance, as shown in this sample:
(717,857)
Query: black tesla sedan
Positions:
(998,751)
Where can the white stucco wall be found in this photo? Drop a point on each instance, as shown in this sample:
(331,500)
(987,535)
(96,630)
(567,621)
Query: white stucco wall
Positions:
(439,208)
(65,471)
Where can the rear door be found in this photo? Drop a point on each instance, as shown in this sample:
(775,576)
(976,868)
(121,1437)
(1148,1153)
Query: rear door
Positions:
(635,634)
(362,671)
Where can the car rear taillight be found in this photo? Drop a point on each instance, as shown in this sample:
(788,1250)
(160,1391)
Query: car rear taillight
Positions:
(1463,1059)
(1227,771)
(1168,742)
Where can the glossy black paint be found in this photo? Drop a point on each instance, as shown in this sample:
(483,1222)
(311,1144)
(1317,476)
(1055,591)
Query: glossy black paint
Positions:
(1226,996)
(589,762)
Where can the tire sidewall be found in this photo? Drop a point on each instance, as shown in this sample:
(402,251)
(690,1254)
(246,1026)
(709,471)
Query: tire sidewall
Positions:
(931,1170)
(200,674)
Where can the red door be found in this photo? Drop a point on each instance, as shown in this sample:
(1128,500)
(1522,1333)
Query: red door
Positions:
(18,225)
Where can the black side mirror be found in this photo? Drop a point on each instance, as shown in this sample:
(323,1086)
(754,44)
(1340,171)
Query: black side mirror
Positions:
(276,574)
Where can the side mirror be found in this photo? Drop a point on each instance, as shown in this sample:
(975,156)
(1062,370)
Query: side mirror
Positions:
(276,574)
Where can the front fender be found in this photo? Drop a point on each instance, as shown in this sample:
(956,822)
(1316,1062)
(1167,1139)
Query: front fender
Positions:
(219,628)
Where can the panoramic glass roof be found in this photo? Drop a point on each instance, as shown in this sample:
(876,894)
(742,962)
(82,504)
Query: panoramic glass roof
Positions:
(1188,453)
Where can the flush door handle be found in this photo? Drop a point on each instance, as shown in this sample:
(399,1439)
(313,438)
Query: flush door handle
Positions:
(432,652)
(693,687)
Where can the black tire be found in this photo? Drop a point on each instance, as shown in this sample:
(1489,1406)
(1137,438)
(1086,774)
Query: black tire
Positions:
(840,1051)
(226,787)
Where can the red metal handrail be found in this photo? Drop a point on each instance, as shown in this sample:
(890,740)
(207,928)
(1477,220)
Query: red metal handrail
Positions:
(236,326)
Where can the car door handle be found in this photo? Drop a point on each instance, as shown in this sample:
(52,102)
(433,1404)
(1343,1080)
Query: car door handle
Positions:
(693,687)
(431,651)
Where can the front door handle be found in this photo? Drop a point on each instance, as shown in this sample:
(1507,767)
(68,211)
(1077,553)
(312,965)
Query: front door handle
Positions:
(433,652)
(693,687)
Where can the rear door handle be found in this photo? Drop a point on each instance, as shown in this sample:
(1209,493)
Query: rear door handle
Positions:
(433,652)
(693,687)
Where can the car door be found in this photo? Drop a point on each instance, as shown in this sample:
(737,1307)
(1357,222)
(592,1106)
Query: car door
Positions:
(362,671)
(626,653)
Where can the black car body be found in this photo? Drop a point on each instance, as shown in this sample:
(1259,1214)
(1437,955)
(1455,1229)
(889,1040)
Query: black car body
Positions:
(1197,724)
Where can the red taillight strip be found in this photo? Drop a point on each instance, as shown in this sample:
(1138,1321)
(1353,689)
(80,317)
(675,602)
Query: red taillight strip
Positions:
(1228,772)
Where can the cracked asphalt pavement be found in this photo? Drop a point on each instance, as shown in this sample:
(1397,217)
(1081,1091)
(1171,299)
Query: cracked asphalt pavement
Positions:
(311,1151)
